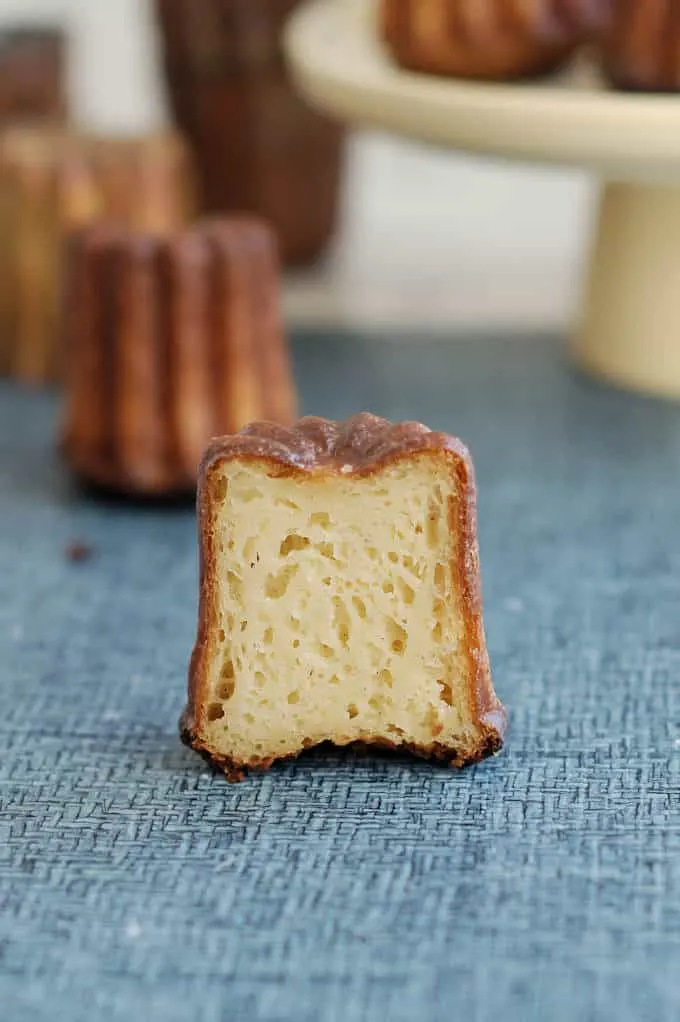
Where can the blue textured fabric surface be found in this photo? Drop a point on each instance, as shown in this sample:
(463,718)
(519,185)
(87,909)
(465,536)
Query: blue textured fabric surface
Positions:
(544,885)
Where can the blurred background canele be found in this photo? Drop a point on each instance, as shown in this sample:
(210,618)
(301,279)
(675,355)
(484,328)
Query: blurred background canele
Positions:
(392,234)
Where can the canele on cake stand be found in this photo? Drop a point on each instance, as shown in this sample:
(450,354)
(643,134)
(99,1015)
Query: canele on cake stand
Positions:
(629,329)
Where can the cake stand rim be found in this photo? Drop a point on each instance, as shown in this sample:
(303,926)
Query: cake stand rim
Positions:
(338,62)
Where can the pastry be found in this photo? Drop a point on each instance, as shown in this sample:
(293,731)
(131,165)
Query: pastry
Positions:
(340,596)
(32,74)
(46,190)
(146,182)
(642,50)
(227,79)
(51,183)
(170,340)
(487,39)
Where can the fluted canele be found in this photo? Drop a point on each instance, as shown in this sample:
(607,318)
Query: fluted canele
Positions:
(259,146)
(170,341)
(53,182)
(32,73)
(642,50)
(494,39)
(146,182)
(47,189)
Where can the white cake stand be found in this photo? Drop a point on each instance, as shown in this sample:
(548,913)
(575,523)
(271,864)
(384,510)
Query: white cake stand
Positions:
(630,327)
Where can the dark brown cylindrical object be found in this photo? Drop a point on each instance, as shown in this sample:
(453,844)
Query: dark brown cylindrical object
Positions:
(169,340)
(53,182)
(642,50)
(259,147)
(498,40)
(32,74)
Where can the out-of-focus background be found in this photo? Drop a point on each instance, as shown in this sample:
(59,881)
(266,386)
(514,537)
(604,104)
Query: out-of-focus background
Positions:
(426,237)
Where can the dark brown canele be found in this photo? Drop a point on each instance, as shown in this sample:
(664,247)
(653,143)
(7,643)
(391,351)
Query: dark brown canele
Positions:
(497,40)
(642,50)
(32,74)
(53,182)
(259,147)
(170,340)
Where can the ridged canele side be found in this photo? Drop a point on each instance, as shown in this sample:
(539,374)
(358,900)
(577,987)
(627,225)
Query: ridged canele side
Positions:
(46,190)
(33,65)
(54,182)
(493,39)
(642,49)
(226,79)
(170,340)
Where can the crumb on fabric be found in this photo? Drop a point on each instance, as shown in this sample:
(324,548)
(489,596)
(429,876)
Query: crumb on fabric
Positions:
(78,552)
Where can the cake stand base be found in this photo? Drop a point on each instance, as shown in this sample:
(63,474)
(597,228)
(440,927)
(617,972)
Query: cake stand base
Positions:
(630,333)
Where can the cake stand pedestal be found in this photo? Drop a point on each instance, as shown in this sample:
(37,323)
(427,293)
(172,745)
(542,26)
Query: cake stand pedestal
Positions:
(629,330)
(630,326)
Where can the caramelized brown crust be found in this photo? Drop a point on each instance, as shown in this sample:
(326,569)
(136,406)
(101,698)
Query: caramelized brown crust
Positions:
(147,183)
(227,80)
(32,74)
(46,190)
(361,446)
(171,340)
(488,39)
(642,50)
(54,182)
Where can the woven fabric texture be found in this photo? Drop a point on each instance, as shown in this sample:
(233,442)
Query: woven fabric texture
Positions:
(544,885)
